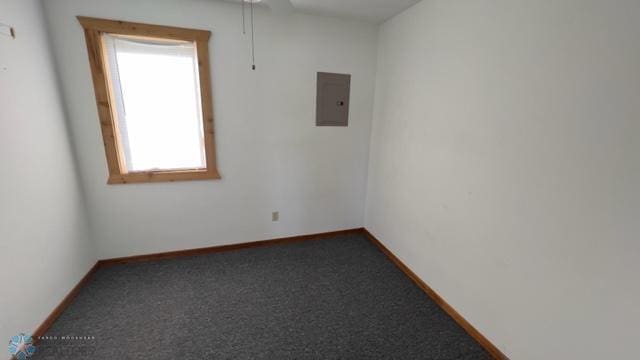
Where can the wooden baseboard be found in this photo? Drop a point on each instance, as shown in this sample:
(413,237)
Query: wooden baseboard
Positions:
(55,314)
(223,248)
(472,331)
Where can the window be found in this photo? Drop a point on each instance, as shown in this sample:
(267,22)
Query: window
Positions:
(153,90)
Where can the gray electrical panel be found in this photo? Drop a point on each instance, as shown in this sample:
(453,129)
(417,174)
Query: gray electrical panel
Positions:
(332,99)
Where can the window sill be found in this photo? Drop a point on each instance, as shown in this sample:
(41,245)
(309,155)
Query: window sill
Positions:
(163,176)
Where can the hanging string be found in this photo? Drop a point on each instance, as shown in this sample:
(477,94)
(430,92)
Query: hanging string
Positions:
(244,26)
(253,45)
(244,31)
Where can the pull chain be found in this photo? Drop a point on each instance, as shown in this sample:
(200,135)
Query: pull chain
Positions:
(244,26)
(253,45)
(244,31)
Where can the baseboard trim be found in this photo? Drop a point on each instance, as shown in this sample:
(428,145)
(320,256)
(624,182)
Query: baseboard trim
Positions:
(55,314)
(470,329)
(223,248)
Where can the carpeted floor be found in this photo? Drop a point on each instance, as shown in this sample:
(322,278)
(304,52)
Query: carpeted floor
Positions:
(338,298)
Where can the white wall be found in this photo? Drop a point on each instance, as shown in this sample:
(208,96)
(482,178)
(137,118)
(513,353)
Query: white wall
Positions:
(43,231)
(271,156)
(505,167)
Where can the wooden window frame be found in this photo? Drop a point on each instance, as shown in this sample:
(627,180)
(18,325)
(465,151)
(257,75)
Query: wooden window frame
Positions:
(118,174)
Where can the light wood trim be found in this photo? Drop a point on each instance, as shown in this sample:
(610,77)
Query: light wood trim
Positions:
(207,103)
(470,329)
(107,113)
(55,314)
(103,100)
(473,332)
(226,248)
(163,176)
(144,30)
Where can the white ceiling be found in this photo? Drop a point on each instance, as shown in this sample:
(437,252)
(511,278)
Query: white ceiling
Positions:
(373,10)
(370,10)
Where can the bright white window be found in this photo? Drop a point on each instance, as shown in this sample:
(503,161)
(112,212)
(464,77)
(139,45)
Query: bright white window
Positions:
(157,94)
(152,86)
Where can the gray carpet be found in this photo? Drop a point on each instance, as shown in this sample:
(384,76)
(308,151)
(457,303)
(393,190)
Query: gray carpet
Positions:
(337,298)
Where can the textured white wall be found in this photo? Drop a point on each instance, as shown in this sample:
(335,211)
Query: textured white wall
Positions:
(505,167)
(271,156)
(43,230)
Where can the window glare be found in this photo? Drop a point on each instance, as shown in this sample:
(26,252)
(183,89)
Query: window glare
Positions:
(159,115)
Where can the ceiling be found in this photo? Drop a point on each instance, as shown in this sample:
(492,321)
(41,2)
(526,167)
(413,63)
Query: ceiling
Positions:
(373,10)
(370,10)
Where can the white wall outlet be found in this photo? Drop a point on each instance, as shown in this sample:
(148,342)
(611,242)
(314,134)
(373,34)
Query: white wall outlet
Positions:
(275,216)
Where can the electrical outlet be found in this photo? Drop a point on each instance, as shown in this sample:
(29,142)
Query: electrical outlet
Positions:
(275,216)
